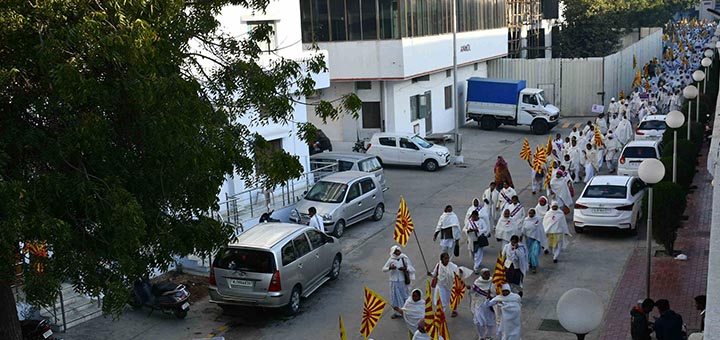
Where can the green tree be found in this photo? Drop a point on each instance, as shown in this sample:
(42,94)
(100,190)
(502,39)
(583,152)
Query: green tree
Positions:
(118,125)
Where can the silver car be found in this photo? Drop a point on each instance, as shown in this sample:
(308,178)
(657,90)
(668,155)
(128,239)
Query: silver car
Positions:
(274,265)
(343,199)
(348,161)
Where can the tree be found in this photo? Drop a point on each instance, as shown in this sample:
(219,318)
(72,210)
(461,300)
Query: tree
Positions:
(119,123)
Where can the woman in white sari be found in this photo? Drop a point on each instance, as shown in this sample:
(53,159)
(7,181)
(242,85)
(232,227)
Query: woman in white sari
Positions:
(413,310)
(483,316)
(397,265)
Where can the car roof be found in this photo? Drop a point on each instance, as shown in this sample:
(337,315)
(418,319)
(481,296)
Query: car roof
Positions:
(392,134)
(643,143)
(610,180)
(266,235)
(341,155)
(654,117)
(345,176)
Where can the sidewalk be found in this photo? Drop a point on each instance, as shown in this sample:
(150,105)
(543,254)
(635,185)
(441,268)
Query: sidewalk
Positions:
(677,281)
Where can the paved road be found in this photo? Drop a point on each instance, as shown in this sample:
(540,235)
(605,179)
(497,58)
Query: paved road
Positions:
(594,260)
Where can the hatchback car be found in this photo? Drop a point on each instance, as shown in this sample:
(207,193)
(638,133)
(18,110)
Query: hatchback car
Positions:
(342,199)
(609,202)
(634,153)
(651,127)
(346,161)
(408,149)
(273,265)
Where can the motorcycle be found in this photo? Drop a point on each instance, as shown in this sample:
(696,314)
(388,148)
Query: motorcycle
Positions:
(267,217)
(167,297)
(36,330)
(360,145)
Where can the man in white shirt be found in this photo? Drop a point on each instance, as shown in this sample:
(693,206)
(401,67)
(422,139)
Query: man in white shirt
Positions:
(491,196)
(448,228)
(316,221)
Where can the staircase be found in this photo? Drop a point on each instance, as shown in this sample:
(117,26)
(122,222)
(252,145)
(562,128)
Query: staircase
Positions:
(71,309)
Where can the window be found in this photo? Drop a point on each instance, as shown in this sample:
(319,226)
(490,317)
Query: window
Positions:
(367,185)
(639,152)
(448,73)
(475,66)
(317,239)
(271,43)
(421,78)
(345,165)
(337,21)
(388,141)
(328,192)
(370,165)
(407,144)
(354,20)
(248,260)
(420,106)
(636,187)
(288,254)
(353,193)
(371,118)
(606,191)
(653,125)
(369,19)
(526,98)
(302,247)
(363,85)
(448,97)
(389,20)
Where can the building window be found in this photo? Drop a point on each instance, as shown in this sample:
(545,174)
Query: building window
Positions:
(363,85)
(448,96)
(448,73)
(420,106)
(371,118)
(369,19)
(421,78)
(337,21)
(271,44)
(475,66)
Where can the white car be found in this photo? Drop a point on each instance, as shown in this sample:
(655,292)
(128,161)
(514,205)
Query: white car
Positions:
(408,149)
(610,202)
(634,153)
(652,127)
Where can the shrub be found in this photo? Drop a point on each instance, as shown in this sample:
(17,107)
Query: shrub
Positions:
(668,207)
(685,171)
(687,151)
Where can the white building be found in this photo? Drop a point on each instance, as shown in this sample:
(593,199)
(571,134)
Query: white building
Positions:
(396,55)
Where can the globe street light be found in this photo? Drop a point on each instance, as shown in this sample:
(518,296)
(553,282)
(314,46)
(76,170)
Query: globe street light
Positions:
(650,171)
(709,52)
(674,120)
(689,92)
(580,311)
(706,62)
(698,76)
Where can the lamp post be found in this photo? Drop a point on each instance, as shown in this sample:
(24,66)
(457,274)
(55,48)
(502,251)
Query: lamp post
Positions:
(580,311)
(650,171)
(674,120)
(709,52)
(689,92)
(458,140)
(706,62)
(697,76)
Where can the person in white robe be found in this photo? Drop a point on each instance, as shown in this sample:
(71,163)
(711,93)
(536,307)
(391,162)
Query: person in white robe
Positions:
(444,275)
(533,233)
(601,123)
(396,265)
(612,147)
(490,195)
(542,207)
(511,307)
(556,228)
(475,206)
(624,131)
(516,261)
(590,162)
(576,160)
(613,107)
(505,195)
(484,213)
(475,229)
(506,227)
(559,187)
(413,311)
(614,121)
(448,228)
(574,133)
(483,290)
(517,211)
(558,143)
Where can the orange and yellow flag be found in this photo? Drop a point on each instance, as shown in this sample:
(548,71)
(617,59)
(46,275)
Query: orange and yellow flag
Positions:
(403,224)
(37,250)
(439,328)
(373,308)
(343,335)
(458,292)
(429,315)
(634,61)
(525,152)
(499,277)
(549,147)
(548,177)
(540,159)
(598,137)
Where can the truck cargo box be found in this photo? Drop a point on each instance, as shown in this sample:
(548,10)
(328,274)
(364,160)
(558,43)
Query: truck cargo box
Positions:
(499,91)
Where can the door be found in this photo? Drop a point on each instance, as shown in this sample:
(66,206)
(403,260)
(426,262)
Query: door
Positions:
(388,150)
(369,196)
(428,113)
(371,119)
(321,253)
(306,263)
(409,152)
(353,204)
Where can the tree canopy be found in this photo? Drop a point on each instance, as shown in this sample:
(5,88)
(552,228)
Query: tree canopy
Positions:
(118,126)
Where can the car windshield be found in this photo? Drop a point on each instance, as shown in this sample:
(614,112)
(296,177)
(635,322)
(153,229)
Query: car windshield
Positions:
(247,260)
(422,142)
(639,152)
(605,191)
(328,192)
(653,125)
(370,165)
(541,99)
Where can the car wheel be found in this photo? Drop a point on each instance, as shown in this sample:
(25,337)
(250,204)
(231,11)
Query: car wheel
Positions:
(335,269)
(339,229)
(378,213)
(293,305)
(431,165)
(540,127)
(488,123)
(180,313)
(579,230)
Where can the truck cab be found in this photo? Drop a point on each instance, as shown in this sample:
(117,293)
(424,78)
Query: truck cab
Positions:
(532,106)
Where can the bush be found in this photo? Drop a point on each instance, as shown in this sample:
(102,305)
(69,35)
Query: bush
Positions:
(685,171)
(668,207)
(705,108)
(687,151)
(697,132)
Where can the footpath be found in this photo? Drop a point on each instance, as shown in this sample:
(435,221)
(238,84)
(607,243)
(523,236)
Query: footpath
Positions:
(674,280)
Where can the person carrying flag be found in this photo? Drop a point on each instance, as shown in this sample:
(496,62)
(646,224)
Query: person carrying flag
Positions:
(401,274)
(443,276)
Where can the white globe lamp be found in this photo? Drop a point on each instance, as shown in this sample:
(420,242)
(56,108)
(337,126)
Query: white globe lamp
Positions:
(706,62)
(690,92)
(580,311)
(650,171)
(698,75)
(709,53)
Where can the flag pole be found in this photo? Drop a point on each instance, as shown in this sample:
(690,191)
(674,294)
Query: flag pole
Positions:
(427,270)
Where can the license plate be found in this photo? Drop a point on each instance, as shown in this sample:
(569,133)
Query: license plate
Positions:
(599,210)
(185,306)
(47,334)
(242,283)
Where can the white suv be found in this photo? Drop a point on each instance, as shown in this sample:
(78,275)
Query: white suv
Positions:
(408,149)
(634,153)
(651,127)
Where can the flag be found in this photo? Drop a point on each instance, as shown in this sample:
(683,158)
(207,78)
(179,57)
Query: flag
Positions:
(373,308)
(636,82)
(439,328)
(499,274)
(548,177)
(429,315)
(525,152)
(549,147)
(458,292)
(343,335)
(634,61)
(37,250)
(598,137)
(540,159)
(622,94)
(403,224)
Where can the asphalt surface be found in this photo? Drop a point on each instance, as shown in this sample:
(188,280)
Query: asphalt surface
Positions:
(593,260)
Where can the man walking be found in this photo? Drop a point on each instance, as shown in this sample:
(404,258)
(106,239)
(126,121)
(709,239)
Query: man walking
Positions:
(477,231)
(448,228)
(639,324)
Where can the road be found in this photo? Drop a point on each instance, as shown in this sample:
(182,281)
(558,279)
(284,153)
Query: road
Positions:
(593,260)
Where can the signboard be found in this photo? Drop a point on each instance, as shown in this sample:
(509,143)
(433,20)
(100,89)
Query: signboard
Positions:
(598,108)
(644,96)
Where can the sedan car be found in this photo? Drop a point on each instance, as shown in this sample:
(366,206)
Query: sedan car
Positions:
(609,202)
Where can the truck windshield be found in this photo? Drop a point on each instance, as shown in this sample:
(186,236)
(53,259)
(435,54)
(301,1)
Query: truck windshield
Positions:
(540,99)
(422,142)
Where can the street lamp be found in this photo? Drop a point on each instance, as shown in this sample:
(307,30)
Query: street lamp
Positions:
(651,171)
(709,53)
(689,92)
(674,120)
(698,76)
(706,62)
(580,311)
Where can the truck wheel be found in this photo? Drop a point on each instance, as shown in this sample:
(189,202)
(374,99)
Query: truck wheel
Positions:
(540,127)
(488,123)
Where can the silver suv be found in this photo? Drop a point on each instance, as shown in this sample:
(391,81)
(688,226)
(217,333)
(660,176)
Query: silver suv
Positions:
(342,199)
(274,265)
(347,161)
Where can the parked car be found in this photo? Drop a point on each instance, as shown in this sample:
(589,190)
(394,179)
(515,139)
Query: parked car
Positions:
(348,161)
(610,202)
(651,127)
(634,153)
(342,199)
(408,149)
(274,265)
(320,144)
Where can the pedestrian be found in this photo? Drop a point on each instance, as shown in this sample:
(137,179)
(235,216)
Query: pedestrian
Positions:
(542,207)
(700,301)
(491,196)
(517,211)
(640,328)
(316,221)
(505,194)
(576,160)
(413,311)
(443,276)
(511,307)
(401,275)
(624,131)
(669,326)
(612,147)
(421,332)
(516,261)
(601,123)
(506,227)
(591,162)
(477,232)
(502,172)
(448,227)
(483,290)
(555,228)
(475,206)
(535,239)
(560,188)
(537,178)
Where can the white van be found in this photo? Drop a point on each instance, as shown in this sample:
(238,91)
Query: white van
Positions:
(634,153)
(408,149)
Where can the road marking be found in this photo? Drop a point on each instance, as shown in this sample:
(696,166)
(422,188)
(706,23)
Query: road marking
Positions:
(220,330)
(565,126)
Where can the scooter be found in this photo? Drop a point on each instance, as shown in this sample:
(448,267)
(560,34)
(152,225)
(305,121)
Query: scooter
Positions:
(360,145)
(36,330)
(267,217)
(167,297)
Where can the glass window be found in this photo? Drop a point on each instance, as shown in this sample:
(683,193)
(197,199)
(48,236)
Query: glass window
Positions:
(407,144)
(248,260)
(288,254)
(420,106)
(369,19)
(321,29)
(389,19)
(367,185)
(370,165)
(421,141)
(636,187)
(302,246)
(605,191)
(337,20)
(639,152)
(306,20)
(354,26)
(653,125)
(388,141)
(345,165)
(317,239)
(363,85)
(448,96)
(353,193)
(328,192)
